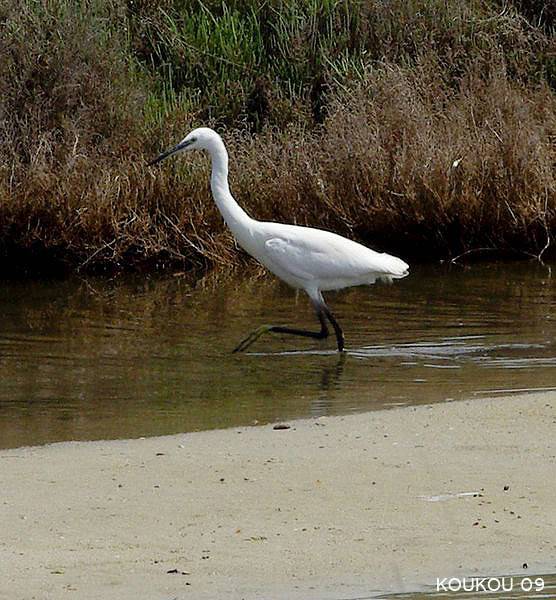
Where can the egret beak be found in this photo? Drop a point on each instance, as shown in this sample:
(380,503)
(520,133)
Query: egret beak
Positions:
(181,146)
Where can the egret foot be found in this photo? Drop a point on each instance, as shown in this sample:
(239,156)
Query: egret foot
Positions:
(316,335)
(323,313)
(252,337)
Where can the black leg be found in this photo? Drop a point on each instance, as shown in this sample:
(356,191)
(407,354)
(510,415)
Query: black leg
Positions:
(337,329)
(323,313)
(318,335)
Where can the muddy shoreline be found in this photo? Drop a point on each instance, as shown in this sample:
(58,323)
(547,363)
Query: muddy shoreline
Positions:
(333,507)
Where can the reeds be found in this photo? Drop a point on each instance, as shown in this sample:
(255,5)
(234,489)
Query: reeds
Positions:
(426,128)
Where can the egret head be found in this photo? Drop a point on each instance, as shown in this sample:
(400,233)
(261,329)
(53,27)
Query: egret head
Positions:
(202,138)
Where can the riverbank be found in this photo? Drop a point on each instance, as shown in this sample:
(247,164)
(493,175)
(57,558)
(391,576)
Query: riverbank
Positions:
(330,508)
(423,129)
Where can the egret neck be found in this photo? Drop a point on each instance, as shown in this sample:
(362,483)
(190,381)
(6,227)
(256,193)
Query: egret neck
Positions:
(236,218)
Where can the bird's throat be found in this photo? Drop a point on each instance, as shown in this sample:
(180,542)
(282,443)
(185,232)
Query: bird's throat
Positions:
(235,217)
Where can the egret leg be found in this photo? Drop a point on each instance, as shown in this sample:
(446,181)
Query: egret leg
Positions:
(318,335)
(337,329)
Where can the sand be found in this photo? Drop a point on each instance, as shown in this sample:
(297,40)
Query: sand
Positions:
(335,507)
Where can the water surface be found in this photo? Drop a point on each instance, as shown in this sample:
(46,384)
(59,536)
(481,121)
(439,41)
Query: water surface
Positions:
(98,358)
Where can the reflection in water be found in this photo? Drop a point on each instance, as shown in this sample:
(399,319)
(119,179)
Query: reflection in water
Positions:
(98,358)
(330,381)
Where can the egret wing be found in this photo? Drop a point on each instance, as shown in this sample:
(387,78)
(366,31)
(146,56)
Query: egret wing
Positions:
(322,256)
(290,257)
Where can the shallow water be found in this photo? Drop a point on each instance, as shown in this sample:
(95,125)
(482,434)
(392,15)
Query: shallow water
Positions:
(95,358)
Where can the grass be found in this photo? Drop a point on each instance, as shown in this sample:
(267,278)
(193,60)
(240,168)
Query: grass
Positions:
(422,127)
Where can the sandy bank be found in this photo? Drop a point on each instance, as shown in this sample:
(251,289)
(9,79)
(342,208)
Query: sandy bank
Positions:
(330,508)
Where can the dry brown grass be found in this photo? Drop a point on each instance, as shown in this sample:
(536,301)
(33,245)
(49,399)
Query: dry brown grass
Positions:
(398,164)
(413,168)
(431,155)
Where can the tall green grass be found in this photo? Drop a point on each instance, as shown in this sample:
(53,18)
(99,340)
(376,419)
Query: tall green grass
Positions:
(248,63)
(348,114)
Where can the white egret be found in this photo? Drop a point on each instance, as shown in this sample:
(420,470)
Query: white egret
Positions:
(309,259)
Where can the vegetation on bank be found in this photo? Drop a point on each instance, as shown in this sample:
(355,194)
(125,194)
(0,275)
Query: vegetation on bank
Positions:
(421,127)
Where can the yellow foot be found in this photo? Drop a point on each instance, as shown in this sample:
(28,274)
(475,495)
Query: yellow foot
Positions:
(252,337)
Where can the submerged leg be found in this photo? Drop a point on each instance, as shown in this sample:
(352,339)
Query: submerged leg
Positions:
(323,313)
(318,335)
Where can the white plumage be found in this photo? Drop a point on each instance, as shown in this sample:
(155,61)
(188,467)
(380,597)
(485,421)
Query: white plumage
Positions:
(306,258)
